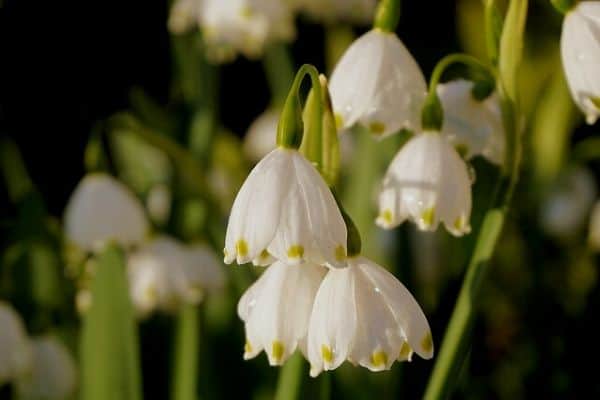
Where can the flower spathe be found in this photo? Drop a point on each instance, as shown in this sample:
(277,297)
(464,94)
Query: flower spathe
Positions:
(15,352)
(165,273)
(53,374)
(363,314)
(101,209)
(472,126)
(378,84)
(580,50)
(276,310)
(286,210)
(429,183)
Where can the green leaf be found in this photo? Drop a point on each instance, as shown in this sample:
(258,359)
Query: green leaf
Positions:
(109,344)
(511,46)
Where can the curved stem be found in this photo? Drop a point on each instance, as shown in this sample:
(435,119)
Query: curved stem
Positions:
(458,58)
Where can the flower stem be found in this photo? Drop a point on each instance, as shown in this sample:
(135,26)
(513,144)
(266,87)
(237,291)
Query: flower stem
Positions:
(185,372)
(18,183)
(279,69)
(458,336)
(387,15)
(290,379)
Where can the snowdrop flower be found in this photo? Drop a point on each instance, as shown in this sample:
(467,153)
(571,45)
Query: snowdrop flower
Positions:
(285,209)
(245,26)
(580,49)
(377,84)
(102,209)
(15,352)
(184,15)
(564,211)
(260,138)
(362,313)
(164,273)
(328,11)
(429,183)
(594,232)
(276,310)
(472,125)
(53,375)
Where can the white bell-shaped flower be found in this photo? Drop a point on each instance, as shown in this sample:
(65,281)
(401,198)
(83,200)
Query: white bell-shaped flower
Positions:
(276,310)
(472,126)
(378,84)
(15,351)
(53,375)
(580,49)
(260,138)
(285,209)
(564,210)
(428,183)
(102,209)
(363,314)
(245,26)
(165,273)
(336,11)
(594,228)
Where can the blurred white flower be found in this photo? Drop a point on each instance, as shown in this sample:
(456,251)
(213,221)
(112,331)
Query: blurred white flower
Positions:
(102,209)
(471,125)
(564,211)
(165,273)
(53,375)
(335,11)
(285,209)
(362,313)
(261,135)
(15,351)
(158,203)
(184,15)
(429,183)
(276,310)
(594,229)
(580,49)
(378,84)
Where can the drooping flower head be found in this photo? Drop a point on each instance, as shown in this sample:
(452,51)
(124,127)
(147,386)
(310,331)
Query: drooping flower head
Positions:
(363,314)
(286,210)
(471,125)
(101,209)
(166,273)
(15,351)
(428,183)
(276,310)
(580,50)
(378,84)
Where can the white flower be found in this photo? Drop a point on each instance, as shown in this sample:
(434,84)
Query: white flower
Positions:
(260,138)
(580,49)
(335,11)
(594,229)
(158,203)
(564,211)
(471,125)
(15,352)
(165,273)
(429,183)
(245,26)
(284,208)
(276,310)
(362,313)
(53,375)
(184,15)
(103,209)
(378,84)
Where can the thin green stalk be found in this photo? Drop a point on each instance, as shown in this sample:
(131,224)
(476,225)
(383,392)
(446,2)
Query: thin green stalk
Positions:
(185,373)
(279,69)
(290,379)
(387,15)
(337,39)
(458,335)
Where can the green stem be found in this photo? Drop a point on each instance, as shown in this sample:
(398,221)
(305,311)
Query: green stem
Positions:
(185,372)
(338,38)
(18,183)
(387,15)
(279,69)
(290,379)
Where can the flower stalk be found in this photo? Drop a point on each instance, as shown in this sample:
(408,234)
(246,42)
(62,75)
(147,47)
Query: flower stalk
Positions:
(387,15)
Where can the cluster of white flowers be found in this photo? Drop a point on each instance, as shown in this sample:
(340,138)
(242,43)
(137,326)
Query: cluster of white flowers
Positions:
(162,271)
(314,296)
(249,26)
(39,367)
